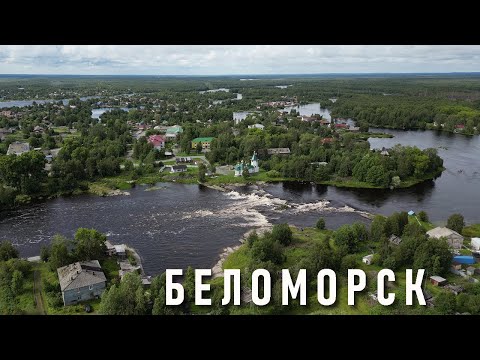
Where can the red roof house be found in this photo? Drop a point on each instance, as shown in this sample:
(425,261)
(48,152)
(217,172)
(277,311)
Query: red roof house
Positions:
(341,126)
(158,141)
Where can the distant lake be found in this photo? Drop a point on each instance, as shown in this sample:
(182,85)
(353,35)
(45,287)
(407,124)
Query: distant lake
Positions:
(309,110)
(22,103)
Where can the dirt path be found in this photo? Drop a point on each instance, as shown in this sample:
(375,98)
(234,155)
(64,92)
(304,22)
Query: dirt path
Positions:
(37,290)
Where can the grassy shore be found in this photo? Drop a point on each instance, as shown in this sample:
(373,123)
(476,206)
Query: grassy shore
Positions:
(304,241)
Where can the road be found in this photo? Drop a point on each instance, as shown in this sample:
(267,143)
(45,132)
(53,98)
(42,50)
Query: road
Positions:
(37,292)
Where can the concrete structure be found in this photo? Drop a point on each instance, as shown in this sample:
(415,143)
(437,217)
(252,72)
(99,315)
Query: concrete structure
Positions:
(454,239)
(81,281)
(438,280)
(470,271)
(252,167)
(368,259)
(18,148)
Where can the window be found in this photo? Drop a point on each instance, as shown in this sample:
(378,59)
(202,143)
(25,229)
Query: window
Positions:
(90,287)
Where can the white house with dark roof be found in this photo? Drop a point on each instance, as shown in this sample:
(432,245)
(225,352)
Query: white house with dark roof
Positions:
(81,281)
(454,239)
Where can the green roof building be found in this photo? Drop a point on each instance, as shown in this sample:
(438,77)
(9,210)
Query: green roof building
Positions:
(205,141)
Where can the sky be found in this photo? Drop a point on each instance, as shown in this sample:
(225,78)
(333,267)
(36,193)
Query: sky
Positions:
(236,59)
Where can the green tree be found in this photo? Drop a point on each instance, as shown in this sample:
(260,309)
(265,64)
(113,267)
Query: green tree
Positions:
(189,285)
(456,222)
(126,298)
(282,233)
(7,251)
(201,173)
(377,228)
(59,254)
(17,282)
(423,216)
(160,305)
(245,173)
(445,303)
(320,224)
(89,244)
(198,147)
(44,253)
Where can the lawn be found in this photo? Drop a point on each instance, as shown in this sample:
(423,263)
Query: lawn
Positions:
(26,302)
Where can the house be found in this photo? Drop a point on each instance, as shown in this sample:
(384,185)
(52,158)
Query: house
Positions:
(327,140)
(354,129)
(395,240)
(455,240)
(178,168)
(256,126)
(205,141)
(252,167)
(470,271)
(437,280)
(455,289)
(456,266)
(173,131)
(278,151)
(460,127)
(126,267)
(38,130)
(120,251)
(81,281)
(384,152)
(368,259)
(18,148)
(341,126)
(324,122)
(475,244)
(158,141)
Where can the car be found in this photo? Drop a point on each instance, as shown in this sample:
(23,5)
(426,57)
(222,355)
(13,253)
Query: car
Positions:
(88,308)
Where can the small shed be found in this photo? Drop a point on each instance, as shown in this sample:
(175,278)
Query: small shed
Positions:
(395,240)
(456,265)
(470,270)
(464,259)
(475,243)
(411,213)
(368,259)
(437,280)
(121,251)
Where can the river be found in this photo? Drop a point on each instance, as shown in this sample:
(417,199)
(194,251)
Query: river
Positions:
(172,227)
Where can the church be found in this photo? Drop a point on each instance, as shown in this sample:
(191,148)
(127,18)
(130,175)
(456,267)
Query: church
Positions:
(252,167)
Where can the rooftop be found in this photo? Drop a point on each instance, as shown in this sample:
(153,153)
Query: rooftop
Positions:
(202,139)
(437,278)
(439,232)
(80,274)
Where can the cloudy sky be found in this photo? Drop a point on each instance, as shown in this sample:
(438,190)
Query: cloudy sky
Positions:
(235,59)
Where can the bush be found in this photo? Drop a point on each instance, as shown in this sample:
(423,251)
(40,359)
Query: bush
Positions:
(422,216)
(320,224)
(456,222)
(273,174)
(282,233)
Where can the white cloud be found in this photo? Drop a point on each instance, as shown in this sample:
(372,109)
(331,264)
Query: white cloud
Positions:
(235,59)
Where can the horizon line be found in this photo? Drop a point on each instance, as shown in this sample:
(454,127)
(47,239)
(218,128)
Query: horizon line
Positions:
(251,74)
